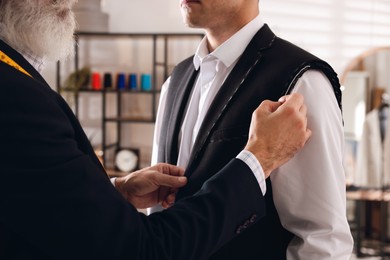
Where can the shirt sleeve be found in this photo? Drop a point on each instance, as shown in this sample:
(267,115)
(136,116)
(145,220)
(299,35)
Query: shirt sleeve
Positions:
(309,190)
(159,118)
(253,164)
(156,135)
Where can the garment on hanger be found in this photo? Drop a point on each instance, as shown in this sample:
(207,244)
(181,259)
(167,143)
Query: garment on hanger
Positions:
(383,117)
(373,159)
(386,142)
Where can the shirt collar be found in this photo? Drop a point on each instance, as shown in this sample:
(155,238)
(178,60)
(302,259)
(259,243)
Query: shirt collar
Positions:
(37,62)
(229,51)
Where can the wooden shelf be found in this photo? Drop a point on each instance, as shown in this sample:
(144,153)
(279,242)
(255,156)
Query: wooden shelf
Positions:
(369,195)
(130,119)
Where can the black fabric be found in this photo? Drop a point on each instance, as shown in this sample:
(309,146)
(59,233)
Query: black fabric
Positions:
(383,118)
(268,69)
(56,201)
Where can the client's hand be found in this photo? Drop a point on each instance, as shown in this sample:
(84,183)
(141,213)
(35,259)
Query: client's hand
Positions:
(278,130)
(152,185)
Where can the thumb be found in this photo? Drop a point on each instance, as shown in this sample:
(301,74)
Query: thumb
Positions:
(169,169)
(170,181)
(270,106)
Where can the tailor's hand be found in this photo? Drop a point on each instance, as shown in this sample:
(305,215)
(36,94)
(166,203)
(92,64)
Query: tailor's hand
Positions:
(152,185)
(277,131)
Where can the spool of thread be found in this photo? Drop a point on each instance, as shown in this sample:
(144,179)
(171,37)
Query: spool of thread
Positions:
(107,81)
(96,81)
(146,82)
(121,81)
(133,81)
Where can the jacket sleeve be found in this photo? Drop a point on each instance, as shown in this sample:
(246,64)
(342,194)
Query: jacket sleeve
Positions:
(55,197)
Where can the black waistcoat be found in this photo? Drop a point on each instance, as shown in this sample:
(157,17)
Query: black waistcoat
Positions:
(268,69)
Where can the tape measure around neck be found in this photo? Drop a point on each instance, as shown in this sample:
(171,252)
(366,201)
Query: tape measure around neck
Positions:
(7,60)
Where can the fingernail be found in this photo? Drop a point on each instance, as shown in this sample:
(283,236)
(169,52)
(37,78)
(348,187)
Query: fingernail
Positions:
(182,179)
(282,99)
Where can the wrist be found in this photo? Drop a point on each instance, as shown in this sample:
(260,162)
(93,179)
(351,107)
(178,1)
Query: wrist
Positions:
(266,163)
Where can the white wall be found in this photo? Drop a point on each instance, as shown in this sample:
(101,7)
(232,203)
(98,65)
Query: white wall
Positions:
(335,30)
(144,15)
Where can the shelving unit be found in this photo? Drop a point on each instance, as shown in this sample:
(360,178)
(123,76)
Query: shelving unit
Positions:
(370,247)
(119,119)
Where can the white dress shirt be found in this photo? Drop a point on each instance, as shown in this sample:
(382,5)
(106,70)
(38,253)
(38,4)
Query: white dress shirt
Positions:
(309,190)
(37,62)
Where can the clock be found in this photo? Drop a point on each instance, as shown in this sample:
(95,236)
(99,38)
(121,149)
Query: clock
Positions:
(126,160)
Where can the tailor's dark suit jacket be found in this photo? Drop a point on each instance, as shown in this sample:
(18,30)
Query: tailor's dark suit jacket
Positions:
(56,201)
(268,69)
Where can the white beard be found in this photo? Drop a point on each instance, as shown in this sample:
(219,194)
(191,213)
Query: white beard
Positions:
(45,30)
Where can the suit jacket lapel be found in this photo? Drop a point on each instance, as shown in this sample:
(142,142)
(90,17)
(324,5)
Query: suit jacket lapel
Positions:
(178,108)
(236,79)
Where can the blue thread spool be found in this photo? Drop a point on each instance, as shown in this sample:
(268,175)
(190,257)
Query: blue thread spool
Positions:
(121,81)
(146,82)
(133,82)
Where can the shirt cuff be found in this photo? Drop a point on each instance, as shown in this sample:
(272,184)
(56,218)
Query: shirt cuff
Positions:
(113,180)
(252,162)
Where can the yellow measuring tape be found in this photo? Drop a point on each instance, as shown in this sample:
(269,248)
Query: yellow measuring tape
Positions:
(4,58)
